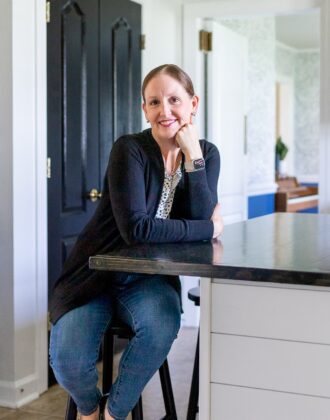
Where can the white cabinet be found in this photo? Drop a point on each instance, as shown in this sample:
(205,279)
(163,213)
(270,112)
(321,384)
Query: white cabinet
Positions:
(265,352)
(233,403)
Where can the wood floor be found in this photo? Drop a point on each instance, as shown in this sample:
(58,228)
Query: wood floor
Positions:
(51,405)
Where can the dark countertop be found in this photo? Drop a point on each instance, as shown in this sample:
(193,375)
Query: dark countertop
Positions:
(287,248)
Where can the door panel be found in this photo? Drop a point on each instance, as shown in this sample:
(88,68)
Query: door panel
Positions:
(74,85)
(227,108)
(120,72)
(72,60)
(94,76)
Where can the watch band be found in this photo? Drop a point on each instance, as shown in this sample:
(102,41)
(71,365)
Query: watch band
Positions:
(194,165)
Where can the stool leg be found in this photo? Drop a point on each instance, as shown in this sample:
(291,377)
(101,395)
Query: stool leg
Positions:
(107,356)
(194,390)
(165,380)
(71,410)
(137,412)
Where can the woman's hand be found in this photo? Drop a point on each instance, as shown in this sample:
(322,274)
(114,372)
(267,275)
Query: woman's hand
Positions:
(217,221)
(188,141)
(217,251)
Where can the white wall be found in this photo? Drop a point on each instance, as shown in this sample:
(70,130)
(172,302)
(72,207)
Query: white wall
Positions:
(20,302)
(161,22)
(6,208)
(286,120)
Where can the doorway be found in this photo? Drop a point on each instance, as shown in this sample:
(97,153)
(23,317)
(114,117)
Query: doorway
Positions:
(261,154)
(226,70)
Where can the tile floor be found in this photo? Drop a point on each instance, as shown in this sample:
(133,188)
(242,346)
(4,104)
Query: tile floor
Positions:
(51,405)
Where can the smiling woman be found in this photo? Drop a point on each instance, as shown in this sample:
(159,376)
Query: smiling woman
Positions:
(169,104)
(160,186)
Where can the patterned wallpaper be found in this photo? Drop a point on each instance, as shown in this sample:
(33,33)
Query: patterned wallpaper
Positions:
(304,68)
(285,61)
(260,33)
(307,113)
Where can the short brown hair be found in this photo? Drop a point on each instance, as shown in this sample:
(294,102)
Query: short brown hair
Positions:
(171,70)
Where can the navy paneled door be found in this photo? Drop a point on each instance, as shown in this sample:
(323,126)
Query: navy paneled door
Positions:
(94,76)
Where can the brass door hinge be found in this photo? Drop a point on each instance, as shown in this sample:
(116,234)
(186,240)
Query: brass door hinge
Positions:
(142,42)
(48,11)
(205,41)
(49,324)
(49,168)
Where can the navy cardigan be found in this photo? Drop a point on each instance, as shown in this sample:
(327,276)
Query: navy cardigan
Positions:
(126,213)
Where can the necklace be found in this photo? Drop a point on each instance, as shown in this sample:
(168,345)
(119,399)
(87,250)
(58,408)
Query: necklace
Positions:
(175,166)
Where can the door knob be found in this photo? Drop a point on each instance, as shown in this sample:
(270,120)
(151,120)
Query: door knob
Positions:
(94,195)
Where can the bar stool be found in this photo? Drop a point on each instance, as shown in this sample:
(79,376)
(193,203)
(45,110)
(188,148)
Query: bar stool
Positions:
(122,330)
(194,295)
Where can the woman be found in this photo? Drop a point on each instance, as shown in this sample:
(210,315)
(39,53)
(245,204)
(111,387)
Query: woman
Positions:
(160,186)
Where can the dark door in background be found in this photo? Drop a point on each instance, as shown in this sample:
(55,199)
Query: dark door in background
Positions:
(94,76)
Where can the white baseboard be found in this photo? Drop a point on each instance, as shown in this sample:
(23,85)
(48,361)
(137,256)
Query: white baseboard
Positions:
(17,393)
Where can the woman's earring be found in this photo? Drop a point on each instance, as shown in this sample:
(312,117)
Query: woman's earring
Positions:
(193,114)
(147,121)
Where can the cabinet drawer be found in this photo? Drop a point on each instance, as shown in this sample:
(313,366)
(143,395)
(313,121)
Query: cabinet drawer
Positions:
(278,365)
(238,403)
(289,314)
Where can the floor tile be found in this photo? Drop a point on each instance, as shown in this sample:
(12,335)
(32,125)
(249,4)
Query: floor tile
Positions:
(4,411)
(24,415)
(53,402)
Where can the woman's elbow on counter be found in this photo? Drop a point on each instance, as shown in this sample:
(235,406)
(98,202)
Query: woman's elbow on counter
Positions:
(135,233)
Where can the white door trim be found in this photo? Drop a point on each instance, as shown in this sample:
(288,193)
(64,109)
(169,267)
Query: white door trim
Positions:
(41,196)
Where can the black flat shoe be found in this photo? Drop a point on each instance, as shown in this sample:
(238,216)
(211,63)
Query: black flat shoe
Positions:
(102,404)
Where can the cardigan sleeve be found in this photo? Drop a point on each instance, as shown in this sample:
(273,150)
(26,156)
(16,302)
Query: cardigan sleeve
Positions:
(202,185)
(128,202)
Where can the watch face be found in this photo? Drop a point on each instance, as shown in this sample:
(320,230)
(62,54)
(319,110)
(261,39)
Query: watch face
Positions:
(199,163)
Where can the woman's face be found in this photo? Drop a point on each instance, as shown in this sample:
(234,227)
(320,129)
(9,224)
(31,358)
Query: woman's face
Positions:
(167,106)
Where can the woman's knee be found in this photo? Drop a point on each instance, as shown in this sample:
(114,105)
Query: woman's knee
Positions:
(159,325)
(68,362)
(75,338)
(152,308)
(163,335)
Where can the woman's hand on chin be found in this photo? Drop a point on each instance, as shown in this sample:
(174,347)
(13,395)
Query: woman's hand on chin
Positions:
(188,140)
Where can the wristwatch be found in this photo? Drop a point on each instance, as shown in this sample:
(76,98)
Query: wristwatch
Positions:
(194,165)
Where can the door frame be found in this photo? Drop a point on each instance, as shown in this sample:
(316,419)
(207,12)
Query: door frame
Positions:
(192,23)
(41,195)
(289,82)
(209,78)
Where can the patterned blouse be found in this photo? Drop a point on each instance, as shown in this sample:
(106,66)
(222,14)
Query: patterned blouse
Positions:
(166,200)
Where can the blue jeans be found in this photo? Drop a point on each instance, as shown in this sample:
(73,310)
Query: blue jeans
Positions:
(151,307)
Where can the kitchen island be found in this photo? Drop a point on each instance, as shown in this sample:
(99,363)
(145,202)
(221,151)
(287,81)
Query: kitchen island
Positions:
(265,314)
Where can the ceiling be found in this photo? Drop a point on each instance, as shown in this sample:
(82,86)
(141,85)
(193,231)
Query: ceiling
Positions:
(299,31)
